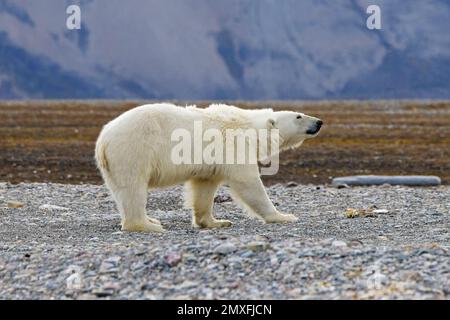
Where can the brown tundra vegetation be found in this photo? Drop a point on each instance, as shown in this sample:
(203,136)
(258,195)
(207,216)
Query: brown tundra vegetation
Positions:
(53,141)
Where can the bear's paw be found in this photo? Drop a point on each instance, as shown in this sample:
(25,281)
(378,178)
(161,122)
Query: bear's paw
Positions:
(281,218)
(145,226)
(213,224)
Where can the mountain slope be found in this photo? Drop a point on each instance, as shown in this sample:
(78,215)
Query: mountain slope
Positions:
(238,49)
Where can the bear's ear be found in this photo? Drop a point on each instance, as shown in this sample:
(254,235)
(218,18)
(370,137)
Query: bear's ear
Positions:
(271,123)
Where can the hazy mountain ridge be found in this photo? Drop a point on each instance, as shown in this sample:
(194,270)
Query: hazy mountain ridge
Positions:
(196,49)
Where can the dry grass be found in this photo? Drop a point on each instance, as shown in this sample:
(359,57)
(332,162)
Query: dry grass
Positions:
(54,141)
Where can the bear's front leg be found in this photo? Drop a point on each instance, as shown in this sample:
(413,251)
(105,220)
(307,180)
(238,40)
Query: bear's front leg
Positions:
(200,196)
(251,193)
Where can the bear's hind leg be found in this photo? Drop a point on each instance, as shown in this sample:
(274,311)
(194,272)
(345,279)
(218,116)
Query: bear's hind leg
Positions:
(131,201)
(200,197)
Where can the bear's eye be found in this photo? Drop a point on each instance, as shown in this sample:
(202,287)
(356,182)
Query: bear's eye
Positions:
(299,117)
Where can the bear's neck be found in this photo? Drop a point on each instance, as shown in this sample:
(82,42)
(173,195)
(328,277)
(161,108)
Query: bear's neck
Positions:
(291,143)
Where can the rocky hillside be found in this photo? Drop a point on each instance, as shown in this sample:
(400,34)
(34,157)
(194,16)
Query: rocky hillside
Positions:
(199,49)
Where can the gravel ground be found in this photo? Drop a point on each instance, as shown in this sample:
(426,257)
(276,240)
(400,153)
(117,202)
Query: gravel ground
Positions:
(77,251)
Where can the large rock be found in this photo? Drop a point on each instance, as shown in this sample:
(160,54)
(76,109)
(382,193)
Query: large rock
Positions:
(392,180)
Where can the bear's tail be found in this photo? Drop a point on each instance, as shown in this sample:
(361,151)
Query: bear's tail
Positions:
(100,156)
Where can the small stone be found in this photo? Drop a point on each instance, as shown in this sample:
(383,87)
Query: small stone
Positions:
(247,254)
(222,198)
(51,207)
(225,248)
(111,286)
(101,293)
(294,293)
(367,213)
(110,265)
(380,211)
(173,258)
(257,246)
(188,285)
(355,213)
(339,244)
(86,296)
(355,243)
(14,204)
(51,285)
(148,286)
(114,260)
(351,213)
(291,184)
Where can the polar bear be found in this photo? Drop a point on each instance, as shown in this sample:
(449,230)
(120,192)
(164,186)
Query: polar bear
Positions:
(134,152)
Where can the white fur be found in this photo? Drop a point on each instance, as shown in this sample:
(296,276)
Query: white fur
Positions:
(133,154)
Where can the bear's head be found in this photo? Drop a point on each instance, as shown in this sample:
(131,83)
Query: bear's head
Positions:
(293,127)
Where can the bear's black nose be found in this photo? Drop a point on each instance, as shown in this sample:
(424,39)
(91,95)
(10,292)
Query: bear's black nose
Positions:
(315,128)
